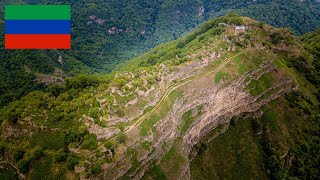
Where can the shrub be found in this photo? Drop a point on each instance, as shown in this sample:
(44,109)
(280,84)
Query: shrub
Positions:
(276,38)
(94,112)
(60,156)
(38,152)
(180,44)
(71,135)
(18,154)
(122,125)
(82,129)
(122,137)
(2,148)
(23,166)
(82,81)
(234,121)
(120,112)
(255,126)
(96,169)
(13,116)
(93,170)
(202,148)
(109,145)
(55,90)
(218,31)
(89,143)
(72,160)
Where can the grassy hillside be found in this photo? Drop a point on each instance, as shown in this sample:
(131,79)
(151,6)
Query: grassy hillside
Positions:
(281,144)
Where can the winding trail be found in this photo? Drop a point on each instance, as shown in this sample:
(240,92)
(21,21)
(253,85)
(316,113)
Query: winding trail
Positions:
(174,87)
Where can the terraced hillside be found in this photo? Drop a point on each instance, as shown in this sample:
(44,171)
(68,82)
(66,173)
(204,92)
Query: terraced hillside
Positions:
(155,117)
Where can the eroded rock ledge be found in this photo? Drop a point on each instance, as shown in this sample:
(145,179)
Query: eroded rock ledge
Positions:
(218,102)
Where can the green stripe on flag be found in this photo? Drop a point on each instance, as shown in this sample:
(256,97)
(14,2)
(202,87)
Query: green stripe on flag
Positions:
(37,12)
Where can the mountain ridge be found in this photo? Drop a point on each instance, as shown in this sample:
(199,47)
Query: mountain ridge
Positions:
(148,120)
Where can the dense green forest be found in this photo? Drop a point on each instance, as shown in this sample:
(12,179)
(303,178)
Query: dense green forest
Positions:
(107,33)
(300,16)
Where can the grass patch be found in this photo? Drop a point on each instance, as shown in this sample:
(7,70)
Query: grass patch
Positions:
(232,155)
(147,124)
(48,140)
(43,169)
(148,109)
(270,117)
(155,173)
(188,118)
(249,61)
(146,145)
(172,162)
(221,75)
(7,172)
(256,87)
(159,113)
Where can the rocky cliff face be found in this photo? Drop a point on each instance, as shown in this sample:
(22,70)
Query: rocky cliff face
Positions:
(193,100)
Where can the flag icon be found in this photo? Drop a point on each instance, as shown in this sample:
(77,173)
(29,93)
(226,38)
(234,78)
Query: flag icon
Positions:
(37,27)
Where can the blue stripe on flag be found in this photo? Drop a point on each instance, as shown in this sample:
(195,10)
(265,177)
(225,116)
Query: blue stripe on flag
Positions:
(38,27)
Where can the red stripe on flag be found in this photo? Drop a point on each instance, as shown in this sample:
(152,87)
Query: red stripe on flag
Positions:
(37,41)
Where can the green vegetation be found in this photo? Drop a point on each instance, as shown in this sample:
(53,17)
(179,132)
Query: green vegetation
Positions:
(263,147)
(7,172)
(256,87)
(146,145)
(189,117)
(89,143)
(233,155)
(122,137)
(310,68)
(292,14)
(155,173)
(51,125)
(107,33)
(221,76)
(161,112)
(279,144)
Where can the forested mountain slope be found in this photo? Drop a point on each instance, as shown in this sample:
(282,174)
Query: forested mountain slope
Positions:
(235,90)
(106,33)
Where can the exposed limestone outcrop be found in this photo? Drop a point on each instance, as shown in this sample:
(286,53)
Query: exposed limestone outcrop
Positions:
(219,104)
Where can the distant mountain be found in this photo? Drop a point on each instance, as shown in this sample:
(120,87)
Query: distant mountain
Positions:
(235,98)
